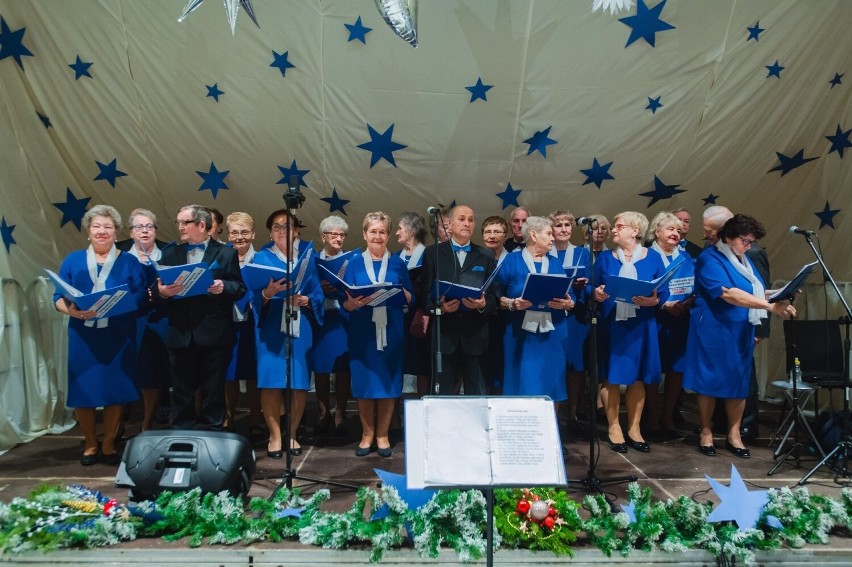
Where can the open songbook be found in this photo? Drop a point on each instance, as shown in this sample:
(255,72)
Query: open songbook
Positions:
(792,288)
(195,278)
(339,263)
(107,303)
(541,288)
(625,289)
(256,276)
(377,294)
(450,290)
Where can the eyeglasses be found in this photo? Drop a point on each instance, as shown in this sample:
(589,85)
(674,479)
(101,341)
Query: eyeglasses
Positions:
(335,234)
(493,232)
(747,242)
(180,222)
(618,227)
(240,233)
(141,227)
(280,227)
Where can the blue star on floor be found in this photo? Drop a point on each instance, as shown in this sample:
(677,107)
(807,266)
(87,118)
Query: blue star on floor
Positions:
(539,142)
(661,191)
(646,23)
(630,510)
(738,503)
(478,90)
(358,31)
(840,141)
(6,234)
(12,44)
(335,203)
(72,209)
(774,70)
(836,80)
(109,172)
(788,164)
(44,119)
(509,196)
(826,216)
(214,180)
(81,68)
(281,63)
(710,199)
(654,104)
(381,146)
(597,174)
(414,498)
(288,172)
(755,31)
(214,92)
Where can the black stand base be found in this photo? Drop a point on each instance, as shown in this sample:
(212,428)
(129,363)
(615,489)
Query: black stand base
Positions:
(841,455)
(595,485)
(290,475)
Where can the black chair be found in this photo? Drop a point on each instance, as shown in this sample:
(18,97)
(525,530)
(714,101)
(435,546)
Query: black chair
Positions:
(819,348)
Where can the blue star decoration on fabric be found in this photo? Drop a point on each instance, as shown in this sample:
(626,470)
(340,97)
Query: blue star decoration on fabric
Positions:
(509,196)
(290,513)
(72,209)
(774,70)
(755,31)
(109,172)
(358,31)
(335,203)
(836,80)
(414,498)
(381,146)
(654,104)
(287,172)
(214,180)
(646,23)
(281,63)
(12,44)
(826,216)
(840,141)
(539,142)
(597,174)
(6,234)
(44,119)
(738,503)
(661,191)
(788,164)
(214,92)
(478,90)
(710,199)
(81,68)
(630,510)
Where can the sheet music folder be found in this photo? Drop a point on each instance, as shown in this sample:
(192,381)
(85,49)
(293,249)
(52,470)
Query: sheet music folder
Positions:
(377,294)
(106,303)
(539,289)
(793,287)
(195,278)
(624,289)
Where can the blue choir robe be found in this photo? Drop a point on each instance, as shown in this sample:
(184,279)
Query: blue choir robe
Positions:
(578,329)
(153,370)
(330,352)
(673,331)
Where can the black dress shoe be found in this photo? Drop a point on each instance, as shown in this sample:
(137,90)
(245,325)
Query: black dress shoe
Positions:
(618,447)
(111,459)
(279,454)
(709,450)
(362,451)
(89,460)
(742,453)
(640,446)
(386,452)
(296,451)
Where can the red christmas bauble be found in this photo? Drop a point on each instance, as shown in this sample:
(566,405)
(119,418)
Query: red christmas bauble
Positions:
(548,522)
(523,506)
(551,512)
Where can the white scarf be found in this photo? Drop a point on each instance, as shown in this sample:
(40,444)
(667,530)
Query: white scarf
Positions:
(536,321)
(291,266)
(743,266)
(329,303)
(99,280)
(568,260)
(414,259)
(380,314)
(240,315)
(624,311)
(155,255)
(666,261)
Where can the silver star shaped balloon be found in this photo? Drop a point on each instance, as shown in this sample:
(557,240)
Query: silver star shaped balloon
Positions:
(401,16)
(232,8)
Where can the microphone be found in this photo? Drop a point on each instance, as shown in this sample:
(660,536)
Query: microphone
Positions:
(804,232)
(586,220)
(432,210)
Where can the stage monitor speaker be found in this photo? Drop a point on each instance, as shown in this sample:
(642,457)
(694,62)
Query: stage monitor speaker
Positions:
(180,460)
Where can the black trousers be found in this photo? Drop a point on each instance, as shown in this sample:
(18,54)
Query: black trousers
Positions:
(199,367)
(470,366)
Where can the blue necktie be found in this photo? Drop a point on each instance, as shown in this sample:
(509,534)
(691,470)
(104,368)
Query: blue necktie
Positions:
(191,247)
(457,248)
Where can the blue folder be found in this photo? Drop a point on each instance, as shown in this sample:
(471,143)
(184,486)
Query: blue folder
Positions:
(539,289)
(196,278)
(339,263)
(450,290)
(625,289)
(793,287)
(107,303)
(378,294)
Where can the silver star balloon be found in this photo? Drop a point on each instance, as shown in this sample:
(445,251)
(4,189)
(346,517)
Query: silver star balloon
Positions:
(232,8)
(401,16)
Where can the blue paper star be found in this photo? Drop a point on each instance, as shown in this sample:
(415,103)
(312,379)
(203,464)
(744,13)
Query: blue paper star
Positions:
(381,146)
(335,203)
(509,196)
(539,142)
(840,141)
(654,104)
(6,234)
(630,510)
(109,171)
(81,69)
(754,32)
(478,90)
(710,199)
(358,31)
(738,503)
(597,174)
(414,498)
(836,80)
(214,180)
(826,216)
(72,209)
(788,164)
(646,23)
(774,70)
(214,92)
(661,191)
(290,513)
(281,63)
(287,172)
(11,44)
(44,119)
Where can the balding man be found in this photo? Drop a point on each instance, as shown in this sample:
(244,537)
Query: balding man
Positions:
(516,222)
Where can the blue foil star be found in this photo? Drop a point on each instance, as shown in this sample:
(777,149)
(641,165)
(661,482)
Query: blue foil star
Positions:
(109,172)
(738,503)
(710,199)
(381,146)
(754,32)
(214,180)
(358,31)
(654,104)
(661,191)
(478,90)
(836,80)
(509,196)
(826,216)
(11,44)
(290,513)
(44,119)
(414,498)
(539,142)
(281,63)
(788,164)
(597,174)
(6,234)
(840,141)
(287,172)
(214,92)
(774,70)
(72,209)
(335,203)
(81,69)
(646,23)
(630,510)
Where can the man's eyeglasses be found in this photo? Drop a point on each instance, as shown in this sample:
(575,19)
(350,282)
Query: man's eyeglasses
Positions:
(180,222)
(141,227)
(240,233)
(335,234)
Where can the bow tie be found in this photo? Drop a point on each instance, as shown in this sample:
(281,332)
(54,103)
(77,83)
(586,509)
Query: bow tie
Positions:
(190,247)
(457,248)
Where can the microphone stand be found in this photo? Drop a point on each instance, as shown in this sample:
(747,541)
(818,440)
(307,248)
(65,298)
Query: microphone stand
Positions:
(437,355)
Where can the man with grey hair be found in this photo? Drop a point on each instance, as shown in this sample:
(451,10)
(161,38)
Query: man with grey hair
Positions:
(687,246)
(516,222)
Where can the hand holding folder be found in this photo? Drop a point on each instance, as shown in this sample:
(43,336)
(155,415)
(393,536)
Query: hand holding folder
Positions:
(105,303)
(193,279)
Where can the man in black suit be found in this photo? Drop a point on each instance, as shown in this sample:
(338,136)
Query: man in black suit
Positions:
(516,222)
(464,323)
(687,246)
(200,337)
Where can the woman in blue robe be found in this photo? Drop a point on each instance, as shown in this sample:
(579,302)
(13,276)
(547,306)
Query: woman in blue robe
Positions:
(730,303)
(101,352)
(376,335)
(495,230)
